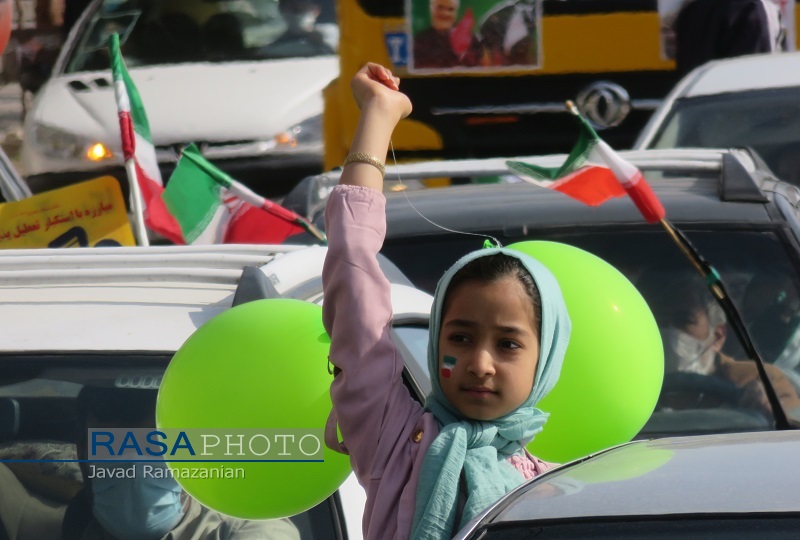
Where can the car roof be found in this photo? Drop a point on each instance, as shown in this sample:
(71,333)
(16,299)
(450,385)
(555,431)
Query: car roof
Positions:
(689,183)
(695,185)
(152,299)
(763,71)
(116,298)
(713,474)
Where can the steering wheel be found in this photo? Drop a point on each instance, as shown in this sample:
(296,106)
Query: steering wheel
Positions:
(694,391)
(693,403)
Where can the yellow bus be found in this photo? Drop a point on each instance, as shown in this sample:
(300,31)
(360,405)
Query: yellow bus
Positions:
(613,57)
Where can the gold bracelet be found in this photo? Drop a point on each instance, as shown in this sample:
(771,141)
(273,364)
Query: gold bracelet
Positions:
(363,157)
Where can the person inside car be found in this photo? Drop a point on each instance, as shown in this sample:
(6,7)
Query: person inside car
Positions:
(301,37)
(144,507)
(498,334)
(694,331)
(36,483)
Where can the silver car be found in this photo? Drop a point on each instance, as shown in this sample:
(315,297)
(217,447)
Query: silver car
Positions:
(746,101)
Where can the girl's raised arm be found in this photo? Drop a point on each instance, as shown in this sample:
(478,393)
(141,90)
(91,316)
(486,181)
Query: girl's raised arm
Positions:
(371,407)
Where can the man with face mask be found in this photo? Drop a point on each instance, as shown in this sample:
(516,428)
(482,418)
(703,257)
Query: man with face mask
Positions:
(694,330)
(143,506)
(692,346)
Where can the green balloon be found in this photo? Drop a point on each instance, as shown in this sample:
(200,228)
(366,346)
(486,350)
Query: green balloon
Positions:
(261,365)
(614,364)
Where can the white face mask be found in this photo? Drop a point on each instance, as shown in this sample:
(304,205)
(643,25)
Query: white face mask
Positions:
(684,352)
(141,507)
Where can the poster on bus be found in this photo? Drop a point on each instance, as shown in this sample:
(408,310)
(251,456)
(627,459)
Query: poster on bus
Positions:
(474,35)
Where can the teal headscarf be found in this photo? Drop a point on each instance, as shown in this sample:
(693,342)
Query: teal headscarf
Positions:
(478,448)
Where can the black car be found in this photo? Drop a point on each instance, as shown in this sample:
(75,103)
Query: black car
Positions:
(738,217)
(680,487)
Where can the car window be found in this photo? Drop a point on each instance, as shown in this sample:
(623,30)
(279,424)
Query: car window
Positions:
(181,31)
(40,422)
(756,267)
(412,341)
(768,121)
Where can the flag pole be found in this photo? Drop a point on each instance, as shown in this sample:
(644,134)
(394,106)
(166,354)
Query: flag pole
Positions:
(128,138)
(715,285)
(137,206)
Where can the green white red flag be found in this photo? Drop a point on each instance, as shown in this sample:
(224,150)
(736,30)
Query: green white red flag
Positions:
(593,173)
(212,208)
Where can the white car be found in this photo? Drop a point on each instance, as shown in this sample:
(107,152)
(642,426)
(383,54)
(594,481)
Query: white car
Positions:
(745,101)
(114,318)
(237,77)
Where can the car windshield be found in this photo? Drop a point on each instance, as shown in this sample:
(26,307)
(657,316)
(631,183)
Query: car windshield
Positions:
(40,423)
(156,32)
(755,266)
(766,120)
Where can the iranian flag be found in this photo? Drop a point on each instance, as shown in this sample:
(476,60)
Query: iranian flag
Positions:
(212,208)
(594,173)
(137,147)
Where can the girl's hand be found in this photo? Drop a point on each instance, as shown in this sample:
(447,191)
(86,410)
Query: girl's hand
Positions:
(374,85)
(382,106)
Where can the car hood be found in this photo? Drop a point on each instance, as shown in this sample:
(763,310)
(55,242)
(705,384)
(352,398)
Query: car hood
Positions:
(193,102)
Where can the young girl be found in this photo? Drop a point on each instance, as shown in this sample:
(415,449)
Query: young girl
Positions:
(498,333)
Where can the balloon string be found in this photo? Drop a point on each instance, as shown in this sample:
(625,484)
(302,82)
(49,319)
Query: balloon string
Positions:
(404,189)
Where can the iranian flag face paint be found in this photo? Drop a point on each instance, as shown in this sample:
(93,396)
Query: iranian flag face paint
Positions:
(448,363)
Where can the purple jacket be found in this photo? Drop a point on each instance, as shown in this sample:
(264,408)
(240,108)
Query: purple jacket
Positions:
(384,429)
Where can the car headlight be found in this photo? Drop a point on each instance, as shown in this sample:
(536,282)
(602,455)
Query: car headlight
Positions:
(306,133)
(60,144)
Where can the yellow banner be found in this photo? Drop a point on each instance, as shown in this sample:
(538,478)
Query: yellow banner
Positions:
(88,214)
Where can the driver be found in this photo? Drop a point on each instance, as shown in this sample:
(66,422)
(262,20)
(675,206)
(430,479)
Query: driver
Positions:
(694,330)
(300,17)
